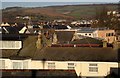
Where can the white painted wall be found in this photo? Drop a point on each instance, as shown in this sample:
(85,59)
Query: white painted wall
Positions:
(81,67)
(10,44)
(86,34)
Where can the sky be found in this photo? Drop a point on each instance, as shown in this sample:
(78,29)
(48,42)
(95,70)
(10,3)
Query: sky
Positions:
(60,0)
(22,3)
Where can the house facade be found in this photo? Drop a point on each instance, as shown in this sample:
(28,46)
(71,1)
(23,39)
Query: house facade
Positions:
(10,44)
(89,32)
(105,34)
(82,68)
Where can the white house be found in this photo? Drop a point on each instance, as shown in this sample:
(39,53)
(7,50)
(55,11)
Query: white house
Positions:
(82,68)
(87,62)
(86,31)
(101,33)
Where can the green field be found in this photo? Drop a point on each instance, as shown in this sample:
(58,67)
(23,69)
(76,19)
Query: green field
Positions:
(67,11)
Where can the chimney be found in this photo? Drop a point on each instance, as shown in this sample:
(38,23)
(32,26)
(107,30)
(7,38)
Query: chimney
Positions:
(104,44)
(38,43)
(54,39)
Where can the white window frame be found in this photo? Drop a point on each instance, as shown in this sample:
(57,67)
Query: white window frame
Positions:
(17,62)
(71,66)
(22,64)
(93,68)
(10,44)
(51,65)
(3,67)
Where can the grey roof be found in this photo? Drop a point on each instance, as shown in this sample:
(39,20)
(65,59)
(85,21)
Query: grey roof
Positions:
(87,40)
(76,54)
(86,30)
(61,53)
(13,36)
(12,29)
(64,36)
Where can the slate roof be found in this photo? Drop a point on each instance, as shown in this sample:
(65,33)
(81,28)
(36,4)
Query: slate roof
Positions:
(87,40)
(60,27)
(55,27)
(29,44)
(76,54)
(9,73)
(13,36)
(13,29)
(61,53)
(64,36)
(86,30)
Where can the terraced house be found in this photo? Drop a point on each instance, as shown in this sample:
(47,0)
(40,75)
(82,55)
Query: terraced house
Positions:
(87,62)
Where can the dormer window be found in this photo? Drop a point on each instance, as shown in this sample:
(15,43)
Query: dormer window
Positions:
(2,64)
(93,67)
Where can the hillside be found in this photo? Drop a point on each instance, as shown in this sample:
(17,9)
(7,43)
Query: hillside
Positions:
(56,12)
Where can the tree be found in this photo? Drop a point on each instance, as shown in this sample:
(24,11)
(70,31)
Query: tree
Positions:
(105,20)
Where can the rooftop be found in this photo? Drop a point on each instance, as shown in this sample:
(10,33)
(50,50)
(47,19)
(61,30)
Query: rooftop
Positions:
(60,53)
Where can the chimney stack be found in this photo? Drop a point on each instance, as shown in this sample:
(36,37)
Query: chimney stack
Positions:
(104,44)
(38,43)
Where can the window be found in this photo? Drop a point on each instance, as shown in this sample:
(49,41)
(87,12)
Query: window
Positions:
(71,66)
(51,65)
(112,34)
(109,34)
(89,34)
(20,65)
(85,34)
(17,65)
(106,34)
(10,44)
(25,64)
(2,64)
(93,68)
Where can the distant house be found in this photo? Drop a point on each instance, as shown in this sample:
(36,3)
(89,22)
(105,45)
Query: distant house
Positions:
(105,34)
(4,24)
(86,31)
(108,35)
(82,23)
(13,29)
(87,62)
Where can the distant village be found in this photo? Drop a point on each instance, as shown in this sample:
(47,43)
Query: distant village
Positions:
(59,48)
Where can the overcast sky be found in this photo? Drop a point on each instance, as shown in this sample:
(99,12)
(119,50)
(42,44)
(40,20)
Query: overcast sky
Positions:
(60,0)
